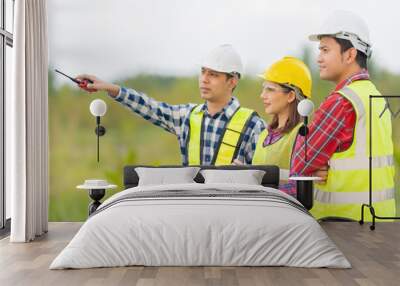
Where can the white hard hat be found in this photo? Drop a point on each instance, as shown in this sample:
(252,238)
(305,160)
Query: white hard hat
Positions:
(348,26)
(223,59)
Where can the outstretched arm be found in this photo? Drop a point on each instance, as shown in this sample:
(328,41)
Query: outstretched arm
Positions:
(162,114)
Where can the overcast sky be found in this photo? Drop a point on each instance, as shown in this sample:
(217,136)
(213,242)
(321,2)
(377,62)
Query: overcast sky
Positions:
(119,38)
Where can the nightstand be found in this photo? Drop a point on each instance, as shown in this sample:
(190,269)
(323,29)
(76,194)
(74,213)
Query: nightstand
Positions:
(97,189)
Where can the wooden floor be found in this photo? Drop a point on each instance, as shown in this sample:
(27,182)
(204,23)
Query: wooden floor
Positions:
(375,256)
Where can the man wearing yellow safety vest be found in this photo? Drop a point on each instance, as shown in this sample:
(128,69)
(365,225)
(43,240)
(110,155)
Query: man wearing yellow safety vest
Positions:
(339,132)
(213,133)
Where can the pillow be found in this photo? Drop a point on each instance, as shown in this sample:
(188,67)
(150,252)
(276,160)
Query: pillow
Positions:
(249,177)
(165,176)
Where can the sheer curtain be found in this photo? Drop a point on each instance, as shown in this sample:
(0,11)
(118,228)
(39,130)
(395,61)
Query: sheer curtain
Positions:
(27,123)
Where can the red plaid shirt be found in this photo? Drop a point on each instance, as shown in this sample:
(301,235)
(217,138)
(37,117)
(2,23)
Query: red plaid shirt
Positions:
(331,131)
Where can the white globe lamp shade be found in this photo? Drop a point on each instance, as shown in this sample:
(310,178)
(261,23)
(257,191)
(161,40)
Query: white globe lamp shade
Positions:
(305,107)
(98,107)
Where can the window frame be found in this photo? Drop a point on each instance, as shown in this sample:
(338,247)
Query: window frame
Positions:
(6,39)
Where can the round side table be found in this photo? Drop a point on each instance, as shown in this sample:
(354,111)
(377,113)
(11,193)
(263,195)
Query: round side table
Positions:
(97,190)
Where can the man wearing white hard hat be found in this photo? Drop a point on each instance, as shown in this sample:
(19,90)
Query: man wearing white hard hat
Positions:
(214,133)
(339,132)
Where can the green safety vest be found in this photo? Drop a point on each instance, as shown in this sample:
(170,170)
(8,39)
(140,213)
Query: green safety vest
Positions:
(347,186)
(230,141)
(278,153)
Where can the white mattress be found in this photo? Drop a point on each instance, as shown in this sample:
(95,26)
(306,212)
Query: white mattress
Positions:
(183,231)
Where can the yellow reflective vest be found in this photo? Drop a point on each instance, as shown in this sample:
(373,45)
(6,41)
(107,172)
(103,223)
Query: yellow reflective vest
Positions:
(230,140)
(278,153)
(347,186)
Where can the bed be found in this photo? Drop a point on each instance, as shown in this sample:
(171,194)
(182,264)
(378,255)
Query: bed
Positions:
(201,223)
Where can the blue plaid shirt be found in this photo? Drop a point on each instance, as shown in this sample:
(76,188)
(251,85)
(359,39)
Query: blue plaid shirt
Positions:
(175,119)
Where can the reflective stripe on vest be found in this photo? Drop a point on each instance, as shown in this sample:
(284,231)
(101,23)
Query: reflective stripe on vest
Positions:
(230,140)
(360,161)
(352,197)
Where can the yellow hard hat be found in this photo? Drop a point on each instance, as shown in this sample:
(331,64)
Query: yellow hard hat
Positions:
(290,71)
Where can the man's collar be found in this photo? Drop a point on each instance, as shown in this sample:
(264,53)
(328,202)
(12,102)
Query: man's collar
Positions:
(228,110)
(361,75)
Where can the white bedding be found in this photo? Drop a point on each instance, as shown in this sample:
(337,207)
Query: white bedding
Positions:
(182,231)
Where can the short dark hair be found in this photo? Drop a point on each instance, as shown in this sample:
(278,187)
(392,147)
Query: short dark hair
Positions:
(231,75)
(361,58)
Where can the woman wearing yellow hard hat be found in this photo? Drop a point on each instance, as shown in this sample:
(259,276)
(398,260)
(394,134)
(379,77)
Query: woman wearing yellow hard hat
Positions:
(286,83)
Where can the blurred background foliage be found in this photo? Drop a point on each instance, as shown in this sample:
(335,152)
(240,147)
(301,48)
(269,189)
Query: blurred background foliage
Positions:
(129,139)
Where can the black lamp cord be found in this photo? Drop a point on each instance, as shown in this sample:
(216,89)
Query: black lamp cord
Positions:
(305,138)
(98,137)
